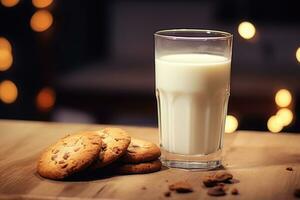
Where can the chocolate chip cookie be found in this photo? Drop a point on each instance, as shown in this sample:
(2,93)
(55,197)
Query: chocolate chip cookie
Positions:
(69,155)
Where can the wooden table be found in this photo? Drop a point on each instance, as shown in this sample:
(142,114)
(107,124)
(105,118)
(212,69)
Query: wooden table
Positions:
(258,160)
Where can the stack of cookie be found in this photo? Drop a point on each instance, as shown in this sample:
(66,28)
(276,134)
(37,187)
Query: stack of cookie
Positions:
(110,148)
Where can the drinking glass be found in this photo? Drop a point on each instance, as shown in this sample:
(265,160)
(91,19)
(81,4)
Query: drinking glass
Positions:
(192,79)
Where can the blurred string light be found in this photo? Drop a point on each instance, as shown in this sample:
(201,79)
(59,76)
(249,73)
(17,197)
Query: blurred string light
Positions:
(41,3)
(285,116)
(9,3)
(298,54)
(5,44)
(6,59)
(45,99)
(274,124)
(246,30)
(231,124)
(283,98)
(8,91)
(41,20)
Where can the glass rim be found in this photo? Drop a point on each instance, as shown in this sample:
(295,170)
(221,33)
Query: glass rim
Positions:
(171,34)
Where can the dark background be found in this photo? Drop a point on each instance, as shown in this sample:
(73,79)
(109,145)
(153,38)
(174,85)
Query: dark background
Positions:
(97,60)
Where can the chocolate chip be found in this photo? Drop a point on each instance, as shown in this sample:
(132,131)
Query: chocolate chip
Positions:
(234,191)
(181,187)
(297,192)
(167,194)
(216,191)
(289,169)
(116,150)
(66,156)
(53,157)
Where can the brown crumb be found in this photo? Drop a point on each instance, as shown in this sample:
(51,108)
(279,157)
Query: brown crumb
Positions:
(216,191)
(234,191)
(181,187)
(219,177)
(297,192)
(289,169)
(167,194)
(144,188)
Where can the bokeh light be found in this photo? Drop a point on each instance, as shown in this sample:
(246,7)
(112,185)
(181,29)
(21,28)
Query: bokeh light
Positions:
(9,3)
(246,30)
(8,91)
(41,20)
(283,98)
(5,44)
(285,116)
(274,124)
(231,124)
(298,54)
(6,59)
(41,3)
(45,99)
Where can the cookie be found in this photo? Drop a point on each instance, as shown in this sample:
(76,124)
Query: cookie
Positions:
(140,151)
(69,155)
(140,168)
(115,143)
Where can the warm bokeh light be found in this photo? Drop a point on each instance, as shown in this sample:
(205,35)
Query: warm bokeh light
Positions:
(285,115)
(8,91)
(41,20)
(283,98)
(41,3)
(231,124)
(6,59)
(274,124)
(298,54)
(246,30)
(9,3)
(45,99)
(5,44)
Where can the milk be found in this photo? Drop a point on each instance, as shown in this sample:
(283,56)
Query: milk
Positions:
(192,92)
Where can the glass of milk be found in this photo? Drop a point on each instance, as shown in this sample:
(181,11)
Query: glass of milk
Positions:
(192,78)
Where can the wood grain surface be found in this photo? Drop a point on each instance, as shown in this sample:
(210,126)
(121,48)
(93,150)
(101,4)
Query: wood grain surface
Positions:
(257,159)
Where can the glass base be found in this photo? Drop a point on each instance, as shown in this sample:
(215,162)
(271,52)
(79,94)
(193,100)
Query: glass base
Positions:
(192,162)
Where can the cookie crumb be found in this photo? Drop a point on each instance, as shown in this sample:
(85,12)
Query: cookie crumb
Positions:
(144,188)
(216,191)
(234,191)
(167,181)
(289,169)
(297,192)
(167,194)
(181,187)
(219,177)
